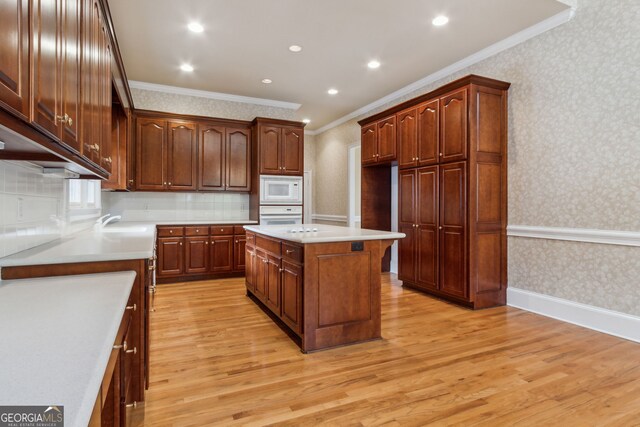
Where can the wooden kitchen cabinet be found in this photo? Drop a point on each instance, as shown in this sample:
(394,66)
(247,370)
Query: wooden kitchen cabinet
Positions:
(239,253)
(196,254)
(280,146)
(452,190)
(272,294)
(170,256)
(221,254)
(238,159)
(261,275)
(378,142)
(181,156)
(292,295)
(251,264)
(151,145)
(211,158)
(15,95)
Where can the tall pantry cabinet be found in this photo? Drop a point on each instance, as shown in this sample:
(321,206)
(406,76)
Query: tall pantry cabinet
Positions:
(452,190)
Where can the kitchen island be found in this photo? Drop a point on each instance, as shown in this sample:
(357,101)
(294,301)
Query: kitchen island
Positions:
(320,283)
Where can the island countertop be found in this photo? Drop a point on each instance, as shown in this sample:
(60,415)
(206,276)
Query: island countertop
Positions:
(323,234)
(58,333)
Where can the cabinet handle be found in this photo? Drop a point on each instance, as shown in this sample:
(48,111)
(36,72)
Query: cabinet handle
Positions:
(63,119)
(117,347)
(96,147)
(281,270)
(133,307)
(132,405)
(134,351)
(70,121)
(130,182)
(290,251)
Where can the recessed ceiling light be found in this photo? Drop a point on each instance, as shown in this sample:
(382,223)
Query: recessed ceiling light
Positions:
(295,48)
(307,121)
(186,67)
(440,20)
(267,81)
(373,64)
(332,91)
(195,27)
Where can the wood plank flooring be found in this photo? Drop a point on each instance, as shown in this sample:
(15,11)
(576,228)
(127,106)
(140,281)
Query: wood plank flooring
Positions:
(217,359)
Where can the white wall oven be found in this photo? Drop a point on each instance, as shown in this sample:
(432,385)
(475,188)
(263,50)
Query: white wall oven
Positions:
(280,215)
(280,190)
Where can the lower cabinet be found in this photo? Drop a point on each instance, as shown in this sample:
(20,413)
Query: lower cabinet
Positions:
(202,251)
(275,277)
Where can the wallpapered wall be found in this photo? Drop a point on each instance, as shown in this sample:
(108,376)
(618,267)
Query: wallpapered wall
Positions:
(574,152)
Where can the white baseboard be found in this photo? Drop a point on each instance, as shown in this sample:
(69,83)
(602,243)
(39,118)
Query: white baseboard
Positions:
(599,319)
(332,218)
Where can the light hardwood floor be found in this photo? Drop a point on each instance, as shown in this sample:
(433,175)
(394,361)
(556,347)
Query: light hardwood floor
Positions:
(217,359)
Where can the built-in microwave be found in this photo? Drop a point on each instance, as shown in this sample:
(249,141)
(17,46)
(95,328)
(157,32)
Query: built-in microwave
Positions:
(280,190)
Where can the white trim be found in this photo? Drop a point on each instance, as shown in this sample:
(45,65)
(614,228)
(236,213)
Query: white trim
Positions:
(599,319)
(307,196)
(520,37)
(212,95)
(332,218)
(351,188)
(609,237)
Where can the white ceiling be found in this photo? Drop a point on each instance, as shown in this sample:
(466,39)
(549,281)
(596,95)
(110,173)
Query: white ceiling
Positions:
(245,41)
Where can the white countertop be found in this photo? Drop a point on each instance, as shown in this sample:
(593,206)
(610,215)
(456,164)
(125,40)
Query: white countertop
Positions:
(118,241)
(324,233)
(57,334)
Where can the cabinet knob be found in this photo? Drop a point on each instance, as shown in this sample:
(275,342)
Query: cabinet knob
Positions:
(130,182)
(64,119)
(70,121)
(133,307)
(165,183)
(206,243)
(169,183)
(290,251)
(440,154)
(171,231)
(134,351)
(180,243)
(132,405)
(440,228)
(117,347)
(281,270)
(197,230)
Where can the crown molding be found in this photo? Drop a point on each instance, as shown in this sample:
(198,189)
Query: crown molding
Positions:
(520,37)
(607,237)
(212,95)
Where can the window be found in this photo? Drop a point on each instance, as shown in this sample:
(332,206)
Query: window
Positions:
(83,199)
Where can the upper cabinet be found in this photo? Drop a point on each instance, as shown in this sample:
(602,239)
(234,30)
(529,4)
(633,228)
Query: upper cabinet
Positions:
(14,51)
(453,126)
(173,154)
(280,146)
(379,141)
(55,77)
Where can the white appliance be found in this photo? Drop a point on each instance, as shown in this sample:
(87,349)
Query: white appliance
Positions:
(280,190)
(281,215)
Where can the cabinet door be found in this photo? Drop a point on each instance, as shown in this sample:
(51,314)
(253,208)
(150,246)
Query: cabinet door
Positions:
(212,158)
(88,112)
(239,252)
(407,134)
(261,274)
(47,56)
(196,255)
(428,132)
(14,51)
(453,126)
(369,144)
(292,295)
(250,270)
(238,167)
(221,254)
(170,256)
(427,230)
(106,149)
(292,151)
(70,74)
(407,223)
(181,156)
(274,275)
(387,139)
(453,229)
(270,138)
(151,142)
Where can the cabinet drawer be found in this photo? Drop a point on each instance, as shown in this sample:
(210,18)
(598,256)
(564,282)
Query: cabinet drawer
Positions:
(170,231)
(268,245)
(197,230)
(238,230)
(221,230)
(293,252)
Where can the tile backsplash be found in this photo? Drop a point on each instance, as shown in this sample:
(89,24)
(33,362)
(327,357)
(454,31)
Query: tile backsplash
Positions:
(32,208)
(147,206)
